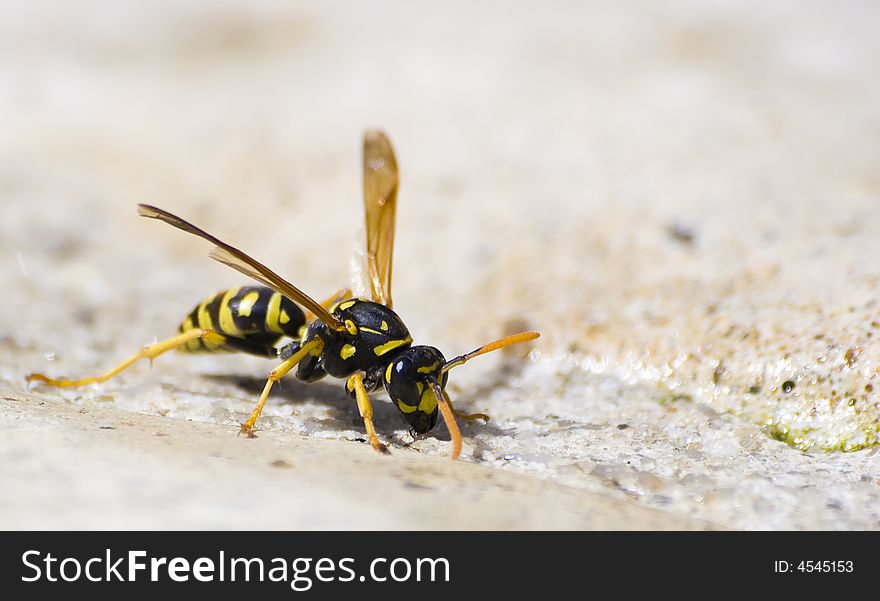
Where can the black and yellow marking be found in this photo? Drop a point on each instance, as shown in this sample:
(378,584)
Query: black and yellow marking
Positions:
(384,349)
(364,341)
(249,316)
(351,328)
(361,345)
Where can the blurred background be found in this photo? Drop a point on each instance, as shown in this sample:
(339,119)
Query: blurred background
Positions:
(679,196)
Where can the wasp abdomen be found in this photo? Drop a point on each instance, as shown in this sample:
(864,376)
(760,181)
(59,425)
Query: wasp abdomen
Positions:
(255,315)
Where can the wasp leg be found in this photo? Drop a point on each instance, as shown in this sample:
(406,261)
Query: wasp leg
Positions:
(148,352)
(275,375)
(356,382)
(338,297)
(467,416)
(329,302)
(310,369)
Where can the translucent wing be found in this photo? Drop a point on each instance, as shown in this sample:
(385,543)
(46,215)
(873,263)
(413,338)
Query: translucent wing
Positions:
(380,206)
(357,266)
(231,256)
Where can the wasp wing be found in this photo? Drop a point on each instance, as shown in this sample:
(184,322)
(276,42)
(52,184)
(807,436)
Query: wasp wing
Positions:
(380,206)
(238,260)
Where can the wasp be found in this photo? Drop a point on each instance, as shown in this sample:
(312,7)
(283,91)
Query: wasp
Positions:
(363,341)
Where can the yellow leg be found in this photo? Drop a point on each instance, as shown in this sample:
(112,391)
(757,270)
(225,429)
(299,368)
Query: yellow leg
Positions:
(148,352)
(366,409)
(340,296)
(445,407)
(467,416)
(327,303)
(276,374)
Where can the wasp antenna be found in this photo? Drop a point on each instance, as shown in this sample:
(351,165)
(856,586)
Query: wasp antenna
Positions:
(448,417)
(488,348)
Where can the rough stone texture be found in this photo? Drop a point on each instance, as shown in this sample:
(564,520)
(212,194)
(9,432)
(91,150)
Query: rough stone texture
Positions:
(190,475)
(679,197)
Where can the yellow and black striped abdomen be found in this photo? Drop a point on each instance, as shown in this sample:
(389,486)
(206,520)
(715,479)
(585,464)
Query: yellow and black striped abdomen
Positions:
(251,318)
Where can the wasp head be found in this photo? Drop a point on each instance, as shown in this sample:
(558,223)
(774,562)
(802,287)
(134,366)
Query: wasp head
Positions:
(413,380)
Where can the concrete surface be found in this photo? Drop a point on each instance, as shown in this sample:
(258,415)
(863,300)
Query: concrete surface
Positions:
(680,197)
(191,475)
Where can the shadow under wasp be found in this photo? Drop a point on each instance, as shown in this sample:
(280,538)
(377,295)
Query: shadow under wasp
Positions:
(362,340)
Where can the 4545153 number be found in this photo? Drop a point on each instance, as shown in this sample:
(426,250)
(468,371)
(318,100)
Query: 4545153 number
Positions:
(807,566)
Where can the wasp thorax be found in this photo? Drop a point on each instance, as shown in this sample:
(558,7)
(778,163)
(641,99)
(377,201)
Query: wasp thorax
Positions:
(408,380)
(372,334)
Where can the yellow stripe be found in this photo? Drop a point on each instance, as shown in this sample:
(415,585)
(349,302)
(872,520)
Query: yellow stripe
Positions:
(347,351)
(405,408)
(205,322)
(429,369)
(390,346)
(428,401)
(246,304)
(213,342)
(388,372)
(210,343)
(351,328)
(370,331)
(227,322)
(384,326)
(345,306)
(272,314)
